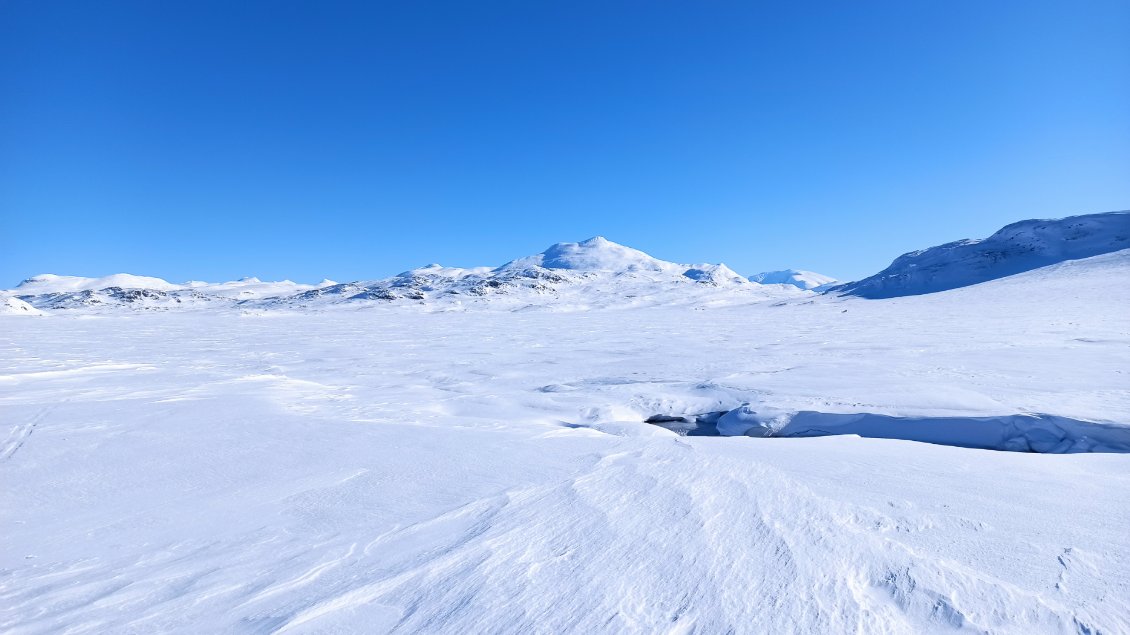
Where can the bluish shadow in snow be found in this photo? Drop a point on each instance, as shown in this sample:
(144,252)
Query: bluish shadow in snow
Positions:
(701,425)
(1016,433)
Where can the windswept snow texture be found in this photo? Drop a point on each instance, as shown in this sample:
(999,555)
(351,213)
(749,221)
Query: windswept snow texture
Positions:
(795,277)
(383,467)
(1014,249)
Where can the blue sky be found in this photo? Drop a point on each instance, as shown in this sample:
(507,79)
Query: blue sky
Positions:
(214,140)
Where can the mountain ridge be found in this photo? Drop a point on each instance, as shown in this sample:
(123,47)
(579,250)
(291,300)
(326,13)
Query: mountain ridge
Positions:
(564,273)
(1015,248)
(597,272)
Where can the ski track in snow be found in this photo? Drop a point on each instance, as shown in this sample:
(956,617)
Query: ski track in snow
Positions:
(394,471)
(19,434)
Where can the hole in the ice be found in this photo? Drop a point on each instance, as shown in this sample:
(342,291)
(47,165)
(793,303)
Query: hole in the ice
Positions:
(1039,433)
(700,425)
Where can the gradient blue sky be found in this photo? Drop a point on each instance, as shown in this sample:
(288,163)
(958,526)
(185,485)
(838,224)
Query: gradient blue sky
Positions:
(281,139)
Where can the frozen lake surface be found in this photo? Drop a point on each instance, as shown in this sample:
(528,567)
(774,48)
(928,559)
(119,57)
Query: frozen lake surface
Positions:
(391,469)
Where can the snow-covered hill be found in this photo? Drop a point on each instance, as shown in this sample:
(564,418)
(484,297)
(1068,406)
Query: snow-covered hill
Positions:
(1016,248)
(49,283)
(15,306)
(595,254)
(796,277)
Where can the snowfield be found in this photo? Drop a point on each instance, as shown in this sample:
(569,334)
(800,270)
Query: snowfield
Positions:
(457,467)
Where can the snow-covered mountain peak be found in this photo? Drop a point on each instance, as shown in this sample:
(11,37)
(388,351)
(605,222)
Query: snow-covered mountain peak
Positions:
(796,277)
(595,254)
(598,241)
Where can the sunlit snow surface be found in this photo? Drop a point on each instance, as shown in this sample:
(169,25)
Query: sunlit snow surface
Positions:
(383,468)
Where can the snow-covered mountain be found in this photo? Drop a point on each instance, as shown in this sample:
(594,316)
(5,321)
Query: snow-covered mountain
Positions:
(796,277)
(595,254)
(567,276)
(598,273)
(1016,248)
(50,283)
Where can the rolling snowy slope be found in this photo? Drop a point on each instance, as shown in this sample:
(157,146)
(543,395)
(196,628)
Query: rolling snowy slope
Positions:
(16,306)
(49,283)
(383,467)
(1016,248)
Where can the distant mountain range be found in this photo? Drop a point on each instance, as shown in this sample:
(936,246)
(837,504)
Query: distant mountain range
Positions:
(596,273)
(569,276)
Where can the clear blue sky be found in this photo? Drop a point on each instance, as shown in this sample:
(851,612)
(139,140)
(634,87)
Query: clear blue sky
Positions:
(214,140)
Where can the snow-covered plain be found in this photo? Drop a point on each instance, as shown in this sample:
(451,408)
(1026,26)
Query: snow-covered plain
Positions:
(383,467)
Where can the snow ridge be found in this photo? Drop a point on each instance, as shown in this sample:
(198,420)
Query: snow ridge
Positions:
(1014,249)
